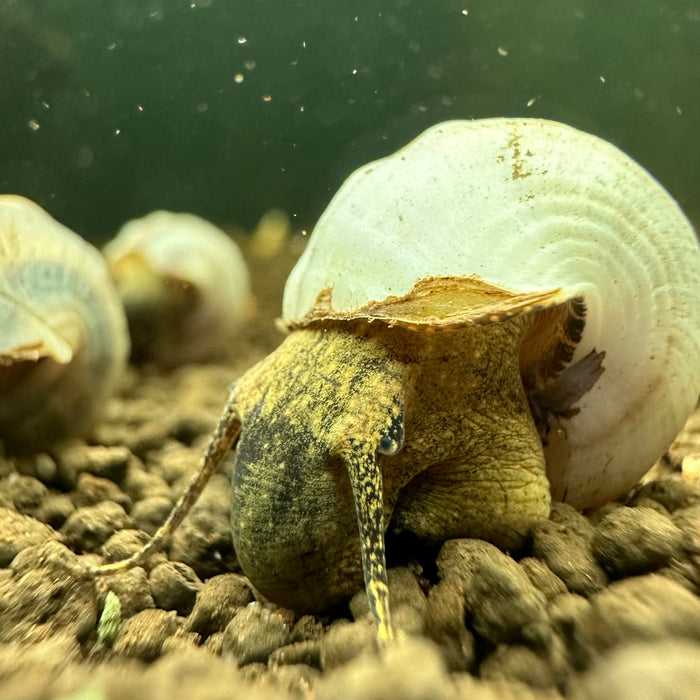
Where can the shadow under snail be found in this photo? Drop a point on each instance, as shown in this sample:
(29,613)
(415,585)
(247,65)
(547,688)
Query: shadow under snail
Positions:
(502,312)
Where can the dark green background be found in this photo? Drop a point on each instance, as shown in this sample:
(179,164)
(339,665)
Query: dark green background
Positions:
(111,108)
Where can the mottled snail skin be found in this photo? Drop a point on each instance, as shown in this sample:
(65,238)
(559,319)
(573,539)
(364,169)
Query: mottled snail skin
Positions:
(184,284)
(63,339)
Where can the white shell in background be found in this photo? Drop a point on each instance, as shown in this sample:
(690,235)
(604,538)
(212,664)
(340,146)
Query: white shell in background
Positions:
(184,284)
(528,205)
(63,336)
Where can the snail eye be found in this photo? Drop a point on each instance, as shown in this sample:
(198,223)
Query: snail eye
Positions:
(392,440)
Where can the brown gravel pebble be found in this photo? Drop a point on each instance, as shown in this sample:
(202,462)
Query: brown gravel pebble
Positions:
(54,510)
(632,541)
(219,599)
(149,513)
(543,578)
(346,640)
(253,634)
(25,492)
(308,653)
(671,491)
(132,589)
(142,636)
(18,532)
(174,586)
(513,662)
(639,609)
(666,670)
(88,528)
(41,596)
(411,670)
(567,551)
(91,490)
(75,457)
(445,624)
(500,598)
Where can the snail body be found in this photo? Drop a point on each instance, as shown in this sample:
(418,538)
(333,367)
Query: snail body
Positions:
(63,340)
(501,313)
(184,284)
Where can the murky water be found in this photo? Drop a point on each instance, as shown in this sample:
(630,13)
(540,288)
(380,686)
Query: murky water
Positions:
(229,108)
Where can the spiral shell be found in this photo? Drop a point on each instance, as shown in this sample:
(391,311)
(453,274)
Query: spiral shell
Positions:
(184,284)
(63,340)
(530,207)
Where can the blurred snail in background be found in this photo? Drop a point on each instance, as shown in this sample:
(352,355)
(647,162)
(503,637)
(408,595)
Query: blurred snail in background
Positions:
(502,312)
(184,285)
(63,335)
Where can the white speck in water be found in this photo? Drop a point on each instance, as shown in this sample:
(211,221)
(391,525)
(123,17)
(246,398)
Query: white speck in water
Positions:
(33,124)
(601,78)
(531,101)
(502,51)
(422,108)
(356,18)
(202,107)
(354,71)
(112,46)
(304,232)
(303,44)
(465,12)
(301,108)
(241,40)
(267,98)
(239,78)
(45,104)
(678,109)
(249,65)
(117,132)
(140,108)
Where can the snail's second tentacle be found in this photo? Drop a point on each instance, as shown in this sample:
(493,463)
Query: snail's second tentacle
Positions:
(366,480)
(223,439)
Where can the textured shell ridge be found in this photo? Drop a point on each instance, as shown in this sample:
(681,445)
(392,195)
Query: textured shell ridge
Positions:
(530,205)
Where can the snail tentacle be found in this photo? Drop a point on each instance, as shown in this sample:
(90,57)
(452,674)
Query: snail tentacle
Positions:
(367,488)
(222,441)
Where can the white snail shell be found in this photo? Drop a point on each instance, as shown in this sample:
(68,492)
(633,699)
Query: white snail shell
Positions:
(530,205)
(185,286)
(63,336)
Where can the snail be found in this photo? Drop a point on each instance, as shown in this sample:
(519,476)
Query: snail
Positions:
(503,312)
(63,335)
(184,284)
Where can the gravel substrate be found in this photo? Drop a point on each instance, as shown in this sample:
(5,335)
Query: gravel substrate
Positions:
(601,605)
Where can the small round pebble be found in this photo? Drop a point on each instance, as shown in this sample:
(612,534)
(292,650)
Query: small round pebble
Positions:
(87,529)
(174,586)
(217,602)
(142,636)
(19,531)
(150,513)
(632,541)
(253,634)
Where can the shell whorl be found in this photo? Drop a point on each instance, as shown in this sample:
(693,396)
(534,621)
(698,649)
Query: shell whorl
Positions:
(185,286)
(64,339)
(532,205)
